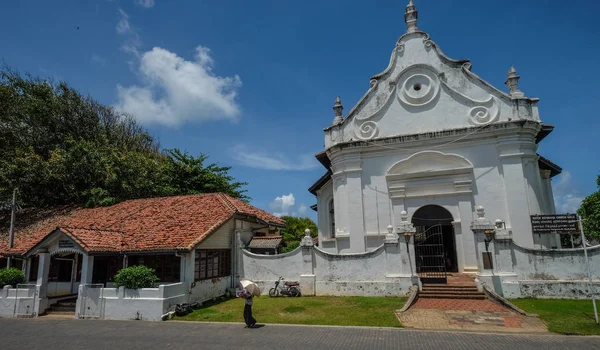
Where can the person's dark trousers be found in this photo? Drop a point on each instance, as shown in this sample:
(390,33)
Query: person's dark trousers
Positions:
(248,316)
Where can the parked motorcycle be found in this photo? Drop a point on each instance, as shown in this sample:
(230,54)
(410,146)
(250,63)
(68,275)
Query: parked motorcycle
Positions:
(291,289)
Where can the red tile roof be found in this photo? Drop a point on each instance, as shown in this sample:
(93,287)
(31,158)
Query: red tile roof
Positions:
(152,224)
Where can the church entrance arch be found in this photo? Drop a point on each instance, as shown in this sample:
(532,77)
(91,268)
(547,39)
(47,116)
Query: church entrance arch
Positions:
(435,247)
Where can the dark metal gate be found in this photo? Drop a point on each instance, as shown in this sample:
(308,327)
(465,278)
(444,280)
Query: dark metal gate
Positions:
(430,255)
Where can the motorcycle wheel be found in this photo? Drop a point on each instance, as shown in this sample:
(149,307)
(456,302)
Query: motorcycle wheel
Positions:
(295,292)
(273,292)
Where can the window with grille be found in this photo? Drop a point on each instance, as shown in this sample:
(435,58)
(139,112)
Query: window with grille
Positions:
(332,218)
(212,263)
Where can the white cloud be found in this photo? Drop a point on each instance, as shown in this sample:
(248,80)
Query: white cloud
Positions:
(175,90)
(261,159)
(133,42)
(123,26)
(286,206)
(283,205)
(99,60)
(567,198)
(145,3)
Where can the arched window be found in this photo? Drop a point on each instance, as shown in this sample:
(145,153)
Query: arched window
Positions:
(332,218)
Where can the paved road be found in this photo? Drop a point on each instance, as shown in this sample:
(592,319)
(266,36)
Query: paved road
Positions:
(79,334)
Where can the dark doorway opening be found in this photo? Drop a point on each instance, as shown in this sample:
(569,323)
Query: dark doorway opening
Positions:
(429,216)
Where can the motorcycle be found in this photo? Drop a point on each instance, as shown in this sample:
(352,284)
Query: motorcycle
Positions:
(291,289)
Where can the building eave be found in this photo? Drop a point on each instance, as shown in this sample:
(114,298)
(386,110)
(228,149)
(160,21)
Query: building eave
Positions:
(322,181)
(546,164)
(545,131)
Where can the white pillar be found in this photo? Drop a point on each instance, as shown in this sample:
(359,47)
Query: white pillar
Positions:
(515,151)
(87,269)
(43,271)
(27,268)
(400,253)
(307,278)
(349,216)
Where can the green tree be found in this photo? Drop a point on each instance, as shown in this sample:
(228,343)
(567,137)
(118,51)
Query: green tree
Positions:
(59,147)
(590,213)
(293,232)
(188,174)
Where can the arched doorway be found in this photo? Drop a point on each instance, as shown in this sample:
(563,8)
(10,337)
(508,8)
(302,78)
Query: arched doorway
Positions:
(435,245)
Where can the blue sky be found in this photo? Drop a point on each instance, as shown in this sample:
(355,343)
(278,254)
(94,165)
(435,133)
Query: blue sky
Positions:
(253,82)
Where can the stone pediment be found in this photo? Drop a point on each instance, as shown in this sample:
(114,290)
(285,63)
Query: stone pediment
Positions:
(422,90)
(429,163)
(430,173)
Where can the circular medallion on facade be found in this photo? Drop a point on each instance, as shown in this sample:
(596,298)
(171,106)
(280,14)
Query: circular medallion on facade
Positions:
(418,86)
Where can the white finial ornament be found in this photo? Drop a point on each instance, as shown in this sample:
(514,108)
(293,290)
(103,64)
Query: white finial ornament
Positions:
(337,109)
(513,83)
(410,17)
(307,240)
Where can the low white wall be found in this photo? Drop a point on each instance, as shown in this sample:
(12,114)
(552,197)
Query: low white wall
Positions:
(208,289)
(147,304)
(264,270)
(563,264)
(361,274)
(555,289)
(356,274)
(521,272)
(21,302)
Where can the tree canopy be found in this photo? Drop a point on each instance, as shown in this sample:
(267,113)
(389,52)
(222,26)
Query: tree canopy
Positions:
(293,232)
(590,213)
(60,147)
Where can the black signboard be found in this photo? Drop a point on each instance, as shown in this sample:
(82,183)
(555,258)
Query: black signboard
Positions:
(557,223)
(65,244)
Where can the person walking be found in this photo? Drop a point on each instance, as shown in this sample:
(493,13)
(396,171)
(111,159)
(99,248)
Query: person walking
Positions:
(248,300)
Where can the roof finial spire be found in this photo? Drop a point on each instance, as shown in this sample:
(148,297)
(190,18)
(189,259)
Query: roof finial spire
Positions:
(410,17)
(513,83)
(337,109)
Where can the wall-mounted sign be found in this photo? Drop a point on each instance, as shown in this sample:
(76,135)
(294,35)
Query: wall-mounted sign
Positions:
(557,223)
(65,243)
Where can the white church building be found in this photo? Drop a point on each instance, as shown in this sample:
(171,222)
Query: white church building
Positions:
(432,138)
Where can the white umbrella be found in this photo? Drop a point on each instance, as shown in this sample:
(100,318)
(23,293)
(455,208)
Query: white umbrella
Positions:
(250,287)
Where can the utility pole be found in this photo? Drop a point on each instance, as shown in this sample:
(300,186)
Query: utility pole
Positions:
(11,234)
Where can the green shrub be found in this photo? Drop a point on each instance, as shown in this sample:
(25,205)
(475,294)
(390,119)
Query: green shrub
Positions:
(290,246)
(11,277)
(136,277)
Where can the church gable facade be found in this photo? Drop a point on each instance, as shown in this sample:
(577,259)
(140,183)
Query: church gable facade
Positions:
(434,140)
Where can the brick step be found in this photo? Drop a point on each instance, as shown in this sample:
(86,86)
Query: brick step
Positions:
(451,289)
(452,296)
(439,285)
(464,294)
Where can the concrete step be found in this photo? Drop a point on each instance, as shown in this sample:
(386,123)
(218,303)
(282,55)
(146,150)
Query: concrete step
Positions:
(64,313)
(452,296)
(62,308)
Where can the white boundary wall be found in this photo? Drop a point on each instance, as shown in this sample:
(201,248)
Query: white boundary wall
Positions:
(520,272)
(384,271)
(148,304)
(19,302)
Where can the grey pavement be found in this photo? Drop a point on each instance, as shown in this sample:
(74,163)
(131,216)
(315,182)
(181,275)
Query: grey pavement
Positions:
(92,334)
